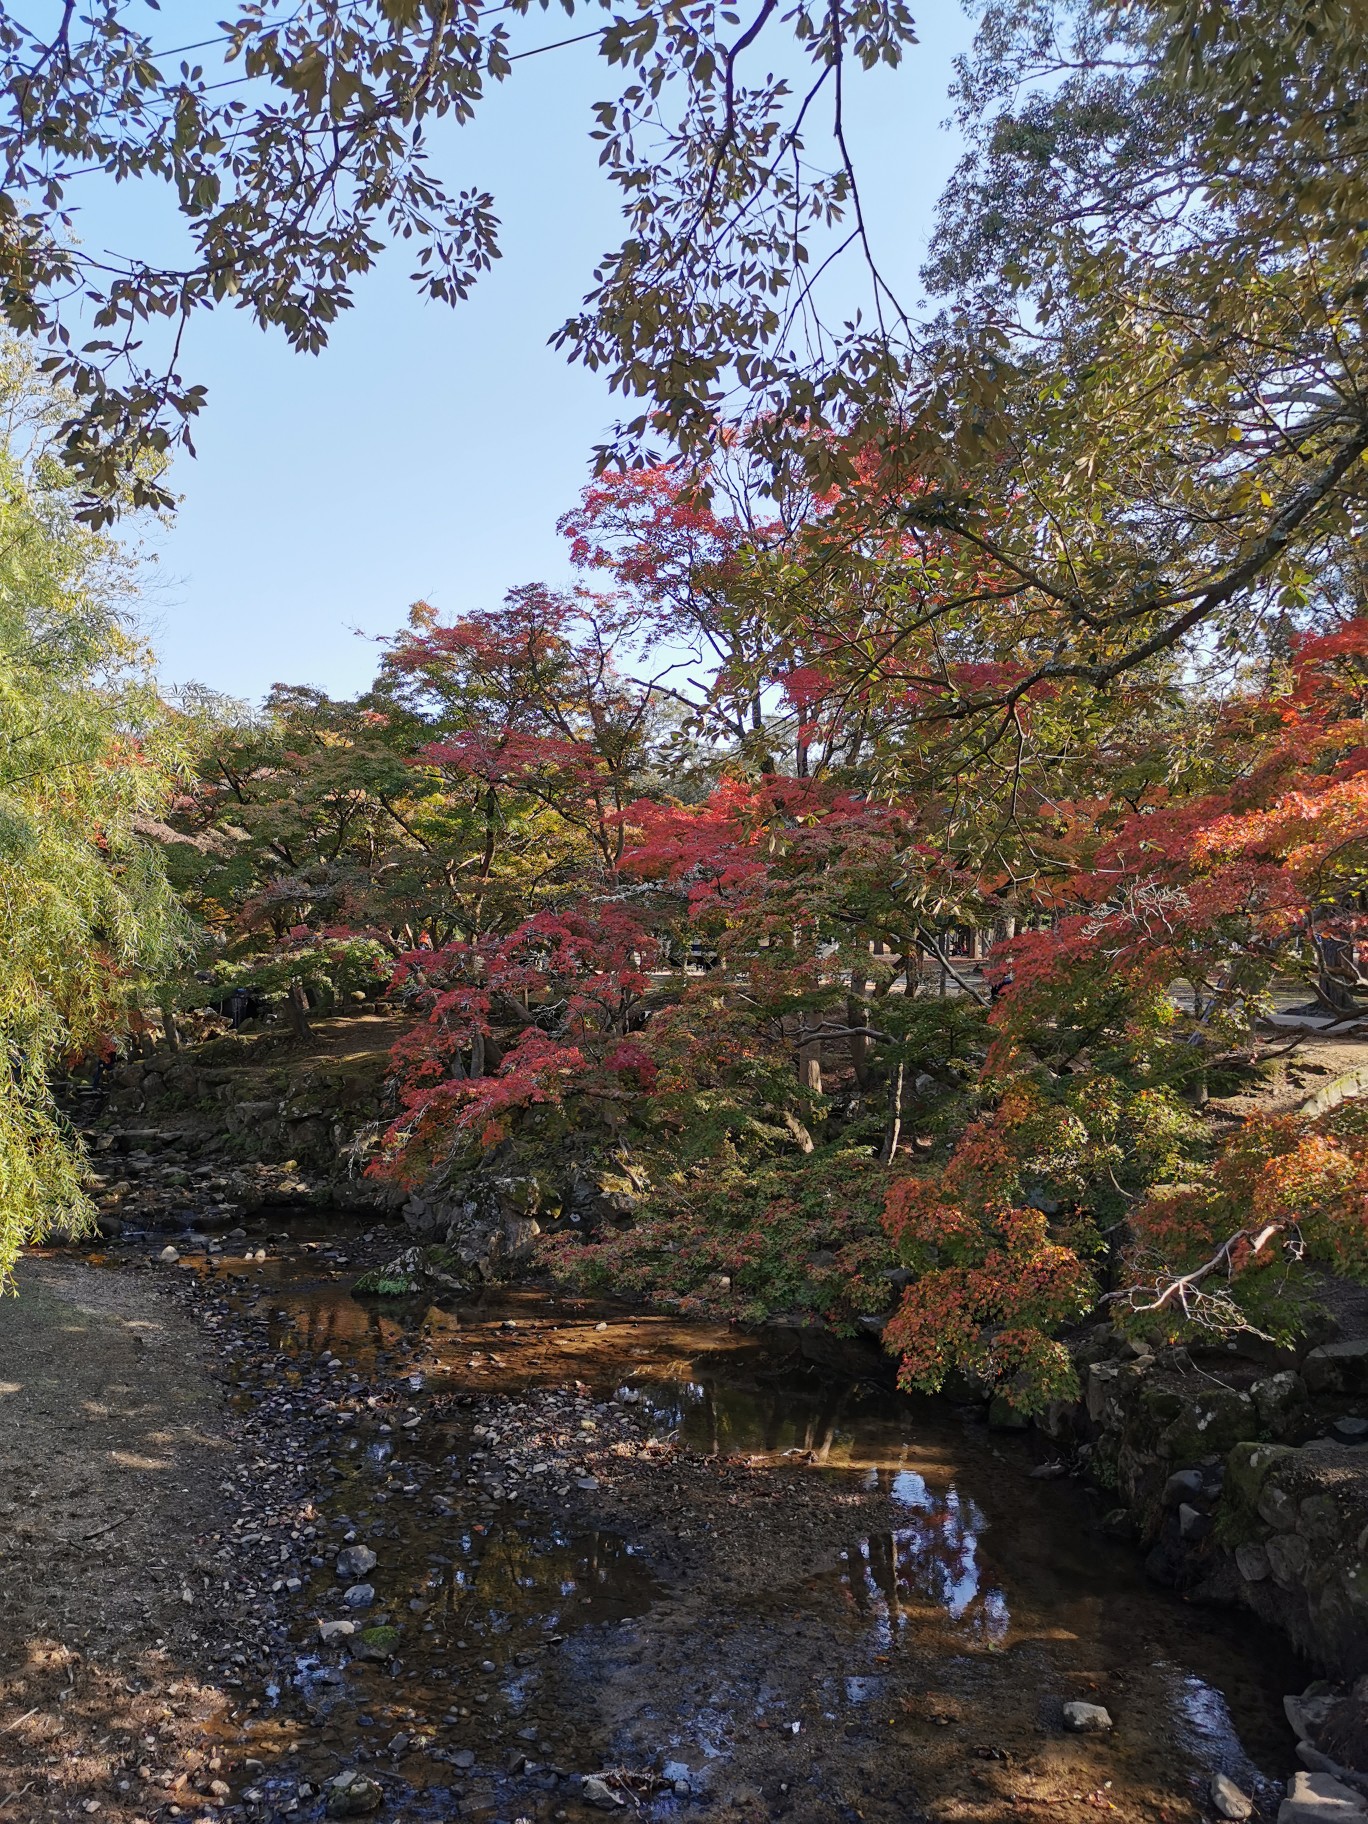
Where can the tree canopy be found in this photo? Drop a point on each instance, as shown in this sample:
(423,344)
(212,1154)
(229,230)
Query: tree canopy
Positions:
(296,142)
(871,872)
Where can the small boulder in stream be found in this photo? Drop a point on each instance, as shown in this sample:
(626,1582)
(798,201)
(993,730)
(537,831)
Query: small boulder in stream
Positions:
(376,1643)
(352,1795)
(1227,1798)
(1086,1719)
(359,1596)
(355,1561)
(397,1278)
(599,1793)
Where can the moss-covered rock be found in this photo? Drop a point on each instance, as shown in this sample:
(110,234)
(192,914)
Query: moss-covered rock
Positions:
(378,1643)
(1247,1467)
(1209,1425)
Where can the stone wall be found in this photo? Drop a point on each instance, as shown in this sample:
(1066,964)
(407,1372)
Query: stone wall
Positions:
(277,1124)
(1245,1479)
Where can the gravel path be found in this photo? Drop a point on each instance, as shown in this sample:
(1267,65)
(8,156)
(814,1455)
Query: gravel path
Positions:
(112,1446)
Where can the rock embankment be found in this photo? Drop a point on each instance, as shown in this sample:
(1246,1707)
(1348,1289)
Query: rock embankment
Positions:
(243,1121)
(1243,1473)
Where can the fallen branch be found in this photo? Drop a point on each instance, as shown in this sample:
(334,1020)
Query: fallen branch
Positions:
(100,1531)
(1190,1282)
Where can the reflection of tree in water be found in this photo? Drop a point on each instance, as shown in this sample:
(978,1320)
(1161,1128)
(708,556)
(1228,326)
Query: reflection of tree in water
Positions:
(337,1322)
(510,1578)
(934,1558)
(771,1419)
(890,1576)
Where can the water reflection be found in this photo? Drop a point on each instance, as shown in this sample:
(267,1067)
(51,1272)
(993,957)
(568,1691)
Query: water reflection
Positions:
(820,1422)
(890,1579)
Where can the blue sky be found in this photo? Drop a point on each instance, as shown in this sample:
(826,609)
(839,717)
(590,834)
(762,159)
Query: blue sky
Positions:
(429,451)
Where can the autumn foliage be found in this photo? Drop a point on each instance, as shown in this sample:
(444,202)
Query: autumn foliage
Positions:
(878,1010)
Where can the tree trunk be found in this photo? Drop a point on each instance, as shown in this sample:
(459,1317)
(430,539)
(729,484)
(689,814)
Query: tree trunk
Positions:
(297,1012)
(859,1044)
(169,1026)
(895,1107)
(810,1068)
(1335,970)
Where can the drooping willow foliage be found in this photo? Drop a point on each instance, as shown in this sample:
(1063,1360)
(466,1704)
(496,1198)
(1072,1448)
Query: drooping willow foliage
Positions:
(85,764)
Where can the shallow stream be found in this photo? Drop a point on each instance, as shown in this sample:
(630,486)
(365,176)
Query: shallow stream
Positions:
(727,1625)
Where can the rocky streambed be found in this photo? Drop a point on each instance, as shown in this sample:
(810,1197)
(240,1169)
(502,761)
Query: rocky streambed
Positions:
(526,1559)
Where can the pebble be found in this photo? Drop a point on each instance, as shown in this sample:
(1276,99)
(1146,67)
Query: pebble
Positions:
(359,1596)
(168,1256)
(355,1561)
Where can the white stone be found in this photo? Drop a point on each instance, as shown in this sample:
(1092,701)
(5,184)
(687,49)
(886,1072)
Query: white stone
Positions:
(599,1793)
(1229,1801)
(1086,1719)
(1316,1798)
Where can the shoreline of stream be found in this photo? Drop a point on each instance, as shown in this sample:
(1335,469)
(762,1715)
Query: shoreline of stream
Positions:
(670,1548)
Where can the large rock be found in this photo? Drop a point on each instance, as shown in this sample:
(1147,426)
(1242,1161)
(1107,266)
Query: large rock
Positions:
(1210,1424)
(1317,1798)
(1338,1367)
(1103,1390)
(1307,1714)
(1288,1557)
(488,1219)
(1278,1507)
(1279,1399)
(1251,1560)
(354,1562)
(1248,1467)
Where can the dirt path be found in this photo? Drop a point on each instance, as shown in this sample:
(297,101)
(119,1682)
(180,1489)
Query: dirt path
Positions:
(112,1447)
